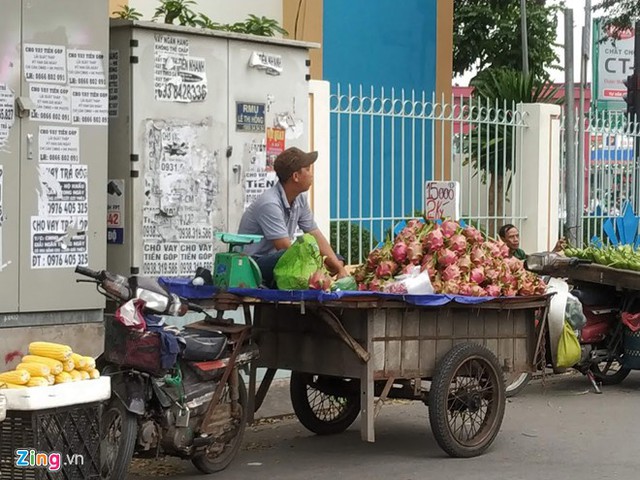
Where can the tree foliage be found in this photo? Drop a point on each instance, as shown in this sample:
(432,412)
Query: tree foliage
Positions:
(618,15)
(487,33)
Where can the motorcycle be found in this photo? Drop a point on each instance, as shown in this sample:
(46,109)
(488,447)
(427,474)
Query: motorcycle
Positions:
(196,410)
(601,337)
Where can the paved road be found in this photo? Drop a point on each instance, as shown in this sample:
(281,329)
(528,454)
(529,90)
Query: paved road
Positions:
(557,431)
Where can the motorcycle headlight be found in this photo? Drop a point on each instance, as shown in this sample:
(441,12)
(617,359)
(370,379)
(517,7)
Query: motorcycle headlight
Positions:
(153,301)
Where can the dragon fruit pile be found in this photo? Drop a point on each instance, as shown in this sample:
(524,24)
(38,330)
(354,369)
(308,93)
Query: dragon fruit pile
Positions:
(458,260)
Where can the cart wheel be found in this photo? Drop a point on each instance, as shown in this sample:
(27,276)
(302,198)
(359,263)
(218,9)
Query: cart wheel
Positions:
(324,405)
(467,400)
(516,382)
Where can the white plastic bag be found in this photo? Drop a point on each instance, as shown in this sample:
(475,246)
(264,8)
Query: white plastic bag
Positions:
(413,283)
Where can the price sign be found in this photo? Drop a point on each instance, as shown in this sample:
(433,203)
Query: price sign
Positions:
(442,199)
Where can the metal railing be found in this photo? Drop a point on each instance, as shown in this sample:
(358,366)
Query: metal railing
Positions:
(386,144)
(611,173)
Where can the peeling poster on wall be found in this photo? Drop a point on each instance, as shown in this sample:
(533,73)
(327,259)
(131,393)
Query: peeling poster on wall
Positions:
(114,79)
(181,210)
(7,113)
(58,237)
(177,76)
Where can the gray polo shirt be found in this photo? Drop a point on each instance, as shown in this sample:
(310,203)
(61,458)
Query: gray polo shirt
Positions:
(271,216)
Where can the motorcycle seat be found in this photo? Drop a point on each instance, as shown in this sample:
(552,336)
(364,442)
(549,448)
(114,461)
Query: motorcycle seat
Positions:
(201,345)
(590,297)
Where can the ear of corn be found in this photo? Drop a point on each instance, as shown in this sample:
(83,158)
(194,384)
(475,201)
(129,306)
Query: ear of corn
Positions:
(38,382)
(63,377)
(11,385)
(51,379)
(68,365)
(51,350)
(94,373)
(35,369)
(54,365)
(90,364)
(79,361)
(19,377)
(75,375)
(84,374)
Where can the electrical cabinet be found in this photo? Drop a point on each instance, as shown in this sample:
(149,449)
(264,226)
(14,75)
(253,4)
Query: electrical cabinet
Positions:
(53,155)
(196,119)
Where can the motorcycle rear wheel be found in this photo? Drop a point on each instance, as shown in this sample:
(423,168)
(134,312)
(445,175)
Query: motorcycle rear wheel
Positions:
(213,460)
(607,374)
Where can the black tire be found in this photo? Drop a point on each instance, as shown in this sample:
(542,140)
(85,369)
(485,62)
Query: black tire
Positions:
(609,373)
(481,397)
(218,456)
(119,435)
(324,405)
(517,382)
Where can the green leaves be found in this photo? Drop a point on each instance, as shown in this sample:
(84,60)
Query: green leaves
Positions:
(487,33)
(127,13)
(618,14)
(181,11)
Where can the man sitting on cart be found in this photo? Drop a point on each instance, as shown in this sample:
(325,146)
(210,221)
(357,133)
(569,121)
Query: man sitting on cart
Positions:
(281,211)
(510,235)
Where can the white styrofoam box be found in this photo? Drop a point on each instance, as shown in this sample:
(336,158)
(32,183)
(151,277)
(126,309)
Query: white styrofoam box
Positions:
(3,408)
(61,395)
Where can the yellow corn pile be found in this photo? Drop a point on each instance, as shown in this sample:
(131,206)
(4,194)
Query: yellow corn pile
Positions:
(49,363)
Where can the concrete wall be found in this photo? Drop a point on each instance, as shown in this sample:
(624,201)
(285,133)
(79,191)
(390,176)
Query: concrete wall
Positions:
(85,339)
(541,167)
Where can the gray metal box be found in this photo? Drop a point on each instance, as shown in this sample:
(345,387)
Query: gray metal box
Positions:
(53,154)
(194,116)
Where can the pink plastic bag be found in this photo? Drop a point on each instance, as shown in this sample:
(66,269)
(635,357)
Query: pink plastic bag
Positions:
(130,314)
(631,320)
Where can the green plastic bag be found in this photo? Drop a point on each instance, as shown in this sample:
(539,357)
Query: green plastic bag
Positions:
(568,347)
(344,284)
(297,263)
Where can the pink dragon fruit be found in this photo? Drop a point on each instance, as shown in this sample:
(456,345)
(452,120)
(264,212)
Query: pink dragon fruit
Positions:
(319,280)
(494,249)
(399,252)
(449,228)
(374,259)
(451,273)
(478,291)
(465,289)
(458,243)
(434,241)
(478,256)
(414,252)
(451,287)
(504,250)
(477,275)
(473,235)
(375,285)
(386,269)
(446,257)
(493,290)
(464,263)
